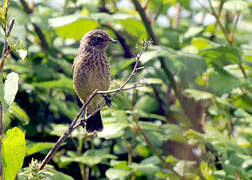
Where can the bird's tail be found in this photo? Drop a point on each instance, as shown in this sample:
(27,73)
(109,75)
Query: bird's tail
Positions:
(94,123)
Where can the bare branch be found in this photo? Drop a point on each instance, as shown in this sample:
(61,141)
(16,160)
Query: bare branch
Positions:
(67,132)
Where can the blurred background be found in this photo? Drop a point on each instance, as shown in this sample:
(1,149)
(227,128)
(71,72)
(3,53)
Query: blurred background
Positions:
(191,121)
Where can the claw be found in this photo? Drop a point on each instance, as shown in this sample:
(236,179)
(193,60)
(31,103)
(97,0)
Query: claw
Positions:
(108,100)
(83,122)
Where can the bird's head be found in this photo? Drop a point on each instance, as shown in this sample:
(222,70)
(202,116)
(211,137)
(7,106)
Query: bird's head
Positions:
(97,39)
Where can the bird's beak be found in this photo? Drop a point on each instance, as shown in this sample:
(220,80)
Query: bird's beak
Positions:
(113,41)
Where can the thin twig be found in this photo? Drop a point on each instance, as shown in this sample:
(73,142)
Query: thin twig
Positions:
(177,17)
(234,29)
(124,89)
(146,4)
(67,132)
(153,149)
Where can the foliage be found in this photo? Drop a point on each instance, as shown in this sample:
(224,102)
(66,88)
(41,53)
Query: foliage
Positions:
(193,120)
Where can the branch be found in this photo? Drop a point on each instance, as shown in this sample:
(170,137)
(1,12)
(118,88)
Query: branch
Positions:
(73,125)
(67,132)
(177,17)
(234,29)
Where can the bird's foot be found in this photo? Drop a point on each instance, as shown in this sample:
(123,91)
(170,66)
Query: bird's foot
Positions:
(108,100)
(83,122)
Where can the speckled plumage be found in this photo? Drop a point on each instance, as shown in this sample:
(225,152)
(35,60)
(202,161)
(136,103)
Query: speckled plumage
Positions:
(91,70)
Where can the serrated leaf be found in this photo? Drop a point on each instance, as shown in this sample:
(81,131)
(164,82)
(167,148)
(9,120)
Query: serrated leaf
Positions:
(73,26)
(11,87)
(13,153)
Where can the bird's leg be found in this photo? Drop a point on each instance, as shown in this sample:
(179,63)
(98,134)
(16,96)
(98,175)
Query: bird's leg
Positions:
(108,100)
(83,122)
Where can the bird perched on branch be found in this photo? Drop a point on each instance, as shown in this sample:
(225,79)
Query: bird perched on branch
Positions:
(91,71)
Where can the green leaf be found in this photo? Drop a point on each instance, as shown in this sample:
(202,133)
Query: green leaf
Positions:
(147,104)
(148,169)
(193,31)
(90,157)
(3,101)
(13,153)
(61,83)
(115,173)
(72,26)
(37,147)
(223,83)
(11,87)
(198,95)
(114,126)
(206,171)
(201,43)
(131,25)
(2,17)
(16,111)
(236,6)
(221,56)
(59,175)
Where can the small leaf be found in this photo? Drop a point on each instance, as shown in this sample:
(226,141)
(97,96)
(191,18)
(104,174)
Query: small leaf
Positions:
(222,55)
(16,111)
(37,147)
(198,95)
(13,153)
(59,175)
(115,173)
(223,83)
(236,6)
(148,169)
(73,26)
(11,87)
(201,43)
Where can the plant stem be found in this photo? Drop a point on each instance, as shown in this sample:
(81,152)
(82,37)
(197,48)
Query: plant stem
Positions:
(234,29)
(153,149)
(177,17)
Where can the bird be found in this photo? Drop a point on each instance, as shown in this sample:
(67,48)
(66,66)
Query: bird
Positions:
(91,71)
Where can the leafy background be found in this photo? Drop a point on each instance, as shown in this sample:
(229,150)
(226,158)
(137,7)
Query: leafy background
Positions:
(192,121)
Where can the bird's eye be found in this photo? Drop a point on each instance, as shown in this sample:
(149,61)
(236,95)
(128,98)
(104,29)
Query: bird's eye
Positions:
(99,39)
